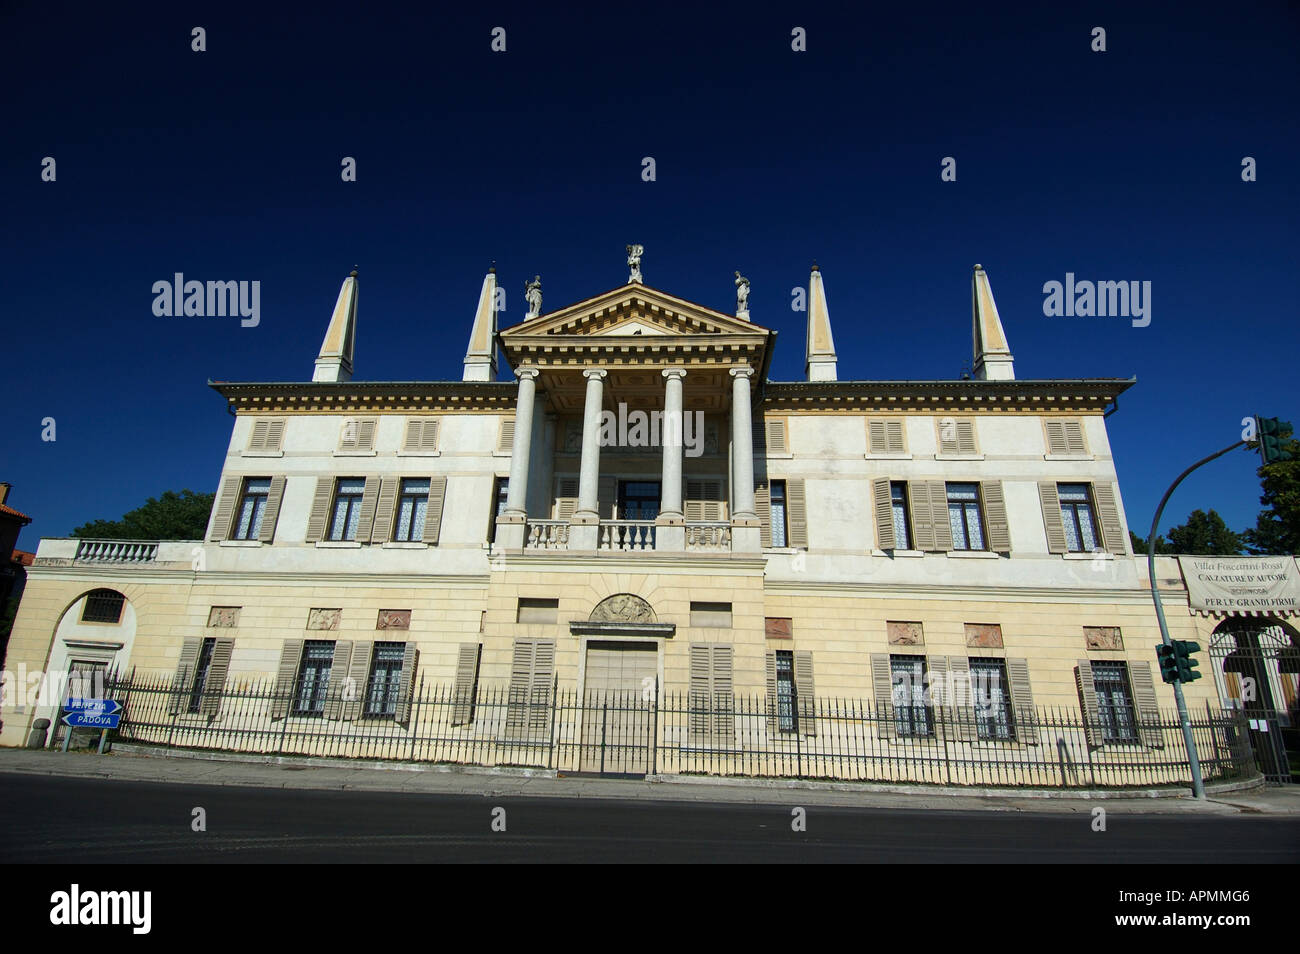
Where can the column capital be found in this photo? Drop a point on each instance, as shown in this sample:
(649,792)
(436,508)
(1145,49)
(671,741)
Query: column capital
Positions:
(595,374)
(741,371)
(677,373)
(529,373)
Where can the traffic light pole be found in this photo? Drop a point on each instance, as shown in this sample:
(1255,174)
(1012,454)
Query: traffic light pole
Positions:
(1198,785)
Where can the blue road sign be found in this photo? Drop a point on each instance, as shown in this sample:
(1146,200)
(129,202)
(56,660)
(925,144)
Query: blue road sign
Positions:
(93,706)
(91,719)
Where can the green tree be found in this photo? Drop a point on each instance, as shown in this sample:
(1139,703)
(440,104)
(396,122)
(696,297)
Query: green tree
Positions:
(173,516)
(1277,529)
(1204,534)
(1139,544)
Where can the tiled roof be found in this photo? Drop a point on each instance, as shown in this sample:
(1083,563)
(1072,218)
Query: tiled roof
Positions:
(10,511)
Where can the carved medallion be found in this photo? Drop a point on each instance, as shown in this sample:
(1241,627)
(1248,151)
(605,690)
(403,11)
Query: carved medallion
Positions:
(622,608)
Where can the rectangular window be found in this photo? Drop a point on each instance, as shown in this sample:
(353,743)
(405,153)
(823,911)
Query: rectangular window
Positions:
(1078,517)
(385,677)
(252,508)
(902,515)
(786,701)
(991,699)
(500,491)
(911,707)
(1114,702)
(779,536)
(347,508)
(103,606)
(964,517)
(534,610)
(717,615)
(313,677)
(201,674)
(412,508)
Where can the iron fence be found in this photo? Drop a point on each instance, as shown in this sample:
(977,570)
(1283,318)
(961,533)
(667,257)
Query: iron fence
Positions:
(635,733)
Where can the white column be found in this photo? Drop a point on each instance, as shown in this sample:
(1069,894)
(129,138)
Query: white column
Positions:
(742,445)
(510,525)
(671,436)
(589,477)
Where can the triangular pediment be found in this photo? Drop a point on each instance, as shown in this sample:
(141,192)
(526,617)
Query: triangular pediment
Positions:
(633,311)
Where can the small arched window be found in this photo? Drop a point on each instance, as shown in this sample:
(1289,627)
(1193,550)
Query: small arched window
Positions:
(103,606)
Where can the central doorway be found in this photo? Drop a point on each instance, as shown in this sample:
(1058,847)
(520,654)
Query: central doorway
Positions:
(618,719)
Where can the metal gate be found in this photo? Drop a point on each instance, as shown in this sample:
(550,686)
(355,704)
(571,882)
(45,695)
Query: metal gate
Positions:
(1257,668)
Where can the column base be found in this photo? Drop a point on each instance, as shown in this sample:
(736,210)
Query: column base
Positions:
(510,532)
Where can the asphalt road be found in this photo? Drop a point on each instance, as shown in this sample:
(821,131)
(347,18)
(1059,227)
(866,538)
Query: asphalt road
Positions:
(71,820)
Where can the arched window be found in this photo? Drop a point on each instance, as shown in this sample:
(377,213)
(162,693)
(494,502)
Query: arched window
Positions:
(103,606)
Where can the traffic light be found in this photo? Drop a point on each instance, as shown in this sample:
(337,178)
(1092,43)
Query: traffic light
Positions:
(1272,434)
(1186,665)
(1168,662)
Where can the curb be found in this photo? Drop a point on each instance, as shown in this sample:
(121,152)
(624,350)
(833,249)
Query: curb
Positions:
(135,750)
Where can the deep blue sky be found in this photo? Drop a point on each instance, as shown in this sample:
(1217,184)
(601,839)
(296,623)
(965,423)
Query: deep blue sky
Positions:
(225,165)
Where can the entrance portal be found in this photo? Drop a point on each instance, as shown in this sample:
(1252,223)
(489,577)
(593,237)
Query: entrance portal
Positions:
(618,719)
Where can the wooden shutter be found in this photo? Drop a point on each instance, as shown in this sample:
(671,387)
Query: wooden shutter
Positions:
(884,504)
(272,514)
(421,435)
(773,723)
(466,686)
(356,681)
(963,709)
(704,500)
(1147,708)
(997,528)
(358,434)
(267,435)
(724,700)
(796,508)
(566,497)
(763,508)
(1088,702)
(700,702)
(369,501)
(1022,701)
(506,436)
(320,509)
(939,515)
(290,657)
(775,433)
(882,686)
(918,493)
(1065,438)
(758,435)
(385,507)
(885,437)
(340,668)
(607,498)
(532,671)
(183,681)
(433,516)
(215,684)
(936,671)
(965,437)
(1051,503)
(805,692)
(224,509)
(406,684)
(1108,517)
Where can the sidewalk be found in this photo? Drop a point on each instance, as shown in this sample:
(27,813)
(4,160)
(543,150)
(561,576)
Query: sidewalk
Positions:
(186,768)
